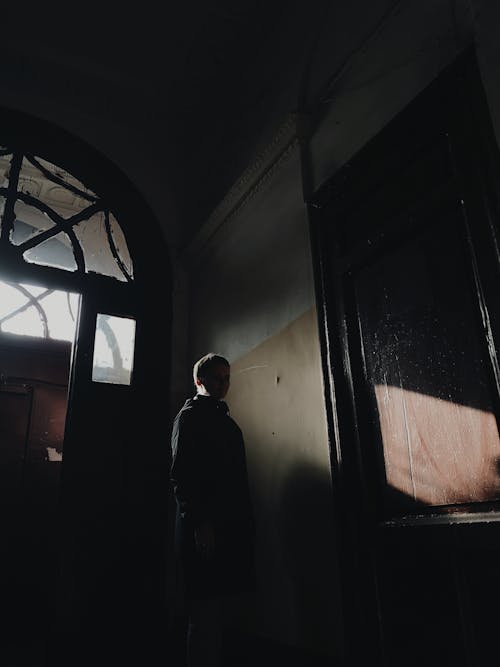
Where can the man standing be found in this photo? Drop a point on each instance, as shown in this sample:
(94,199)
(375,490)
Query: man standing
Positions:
(215,523)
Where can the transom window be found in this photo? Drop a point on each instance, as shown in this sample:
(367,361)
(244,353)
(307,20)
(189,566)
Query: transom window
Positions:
(50,218)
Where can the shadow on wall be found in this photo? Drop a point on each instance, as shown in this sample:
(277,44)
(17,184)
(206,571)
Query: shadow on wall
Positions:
(308,553)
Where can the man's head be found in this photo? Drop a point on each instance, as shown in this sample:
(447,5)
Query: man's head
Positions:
(211,375)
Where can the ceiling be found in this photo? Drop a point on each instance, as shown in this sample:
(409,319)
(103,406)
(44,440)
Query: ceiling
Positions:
(205,76)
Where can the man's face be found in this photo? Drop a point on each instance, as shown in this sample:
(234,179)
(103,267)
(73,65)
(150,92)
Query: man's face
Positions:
(216,382)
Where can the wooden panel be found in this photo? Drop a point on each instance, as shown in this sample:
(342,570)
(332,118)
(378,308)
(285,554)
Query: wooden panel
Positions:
(39,359)
(33,397)
(429,372)
(419,601)
(15,407)
(411,333)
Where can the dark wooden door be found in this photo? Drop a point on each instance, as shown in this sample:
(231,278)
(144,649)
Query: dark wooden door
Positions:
(111,588)
(407,234)
(33,393)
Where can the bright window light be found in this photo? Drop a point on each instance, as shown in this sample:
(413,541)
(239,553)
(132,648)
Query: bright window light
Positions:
(29,310)
(113,349)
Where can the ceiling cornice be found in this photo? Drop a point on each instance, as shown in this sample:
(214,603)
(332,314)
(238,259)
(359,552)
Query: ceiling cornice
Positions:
(262,168)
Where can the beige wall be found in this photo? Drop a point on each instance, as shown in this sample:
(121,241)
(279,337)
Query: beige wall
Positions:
(251,298)
(276,397)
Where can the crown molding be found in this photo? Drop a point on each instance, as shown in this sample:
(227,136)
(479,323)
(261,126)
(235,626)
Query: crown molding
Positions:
(256,175)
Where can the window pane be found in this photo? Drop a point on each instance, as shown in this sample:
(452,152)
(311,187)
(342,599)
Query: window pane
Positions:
(121,245)
(56,252)
(46,195)
(5,160)
(29,222)
(2,208)
(113,349)
(26,323)
(53,313)
(421,342)
(61,309)
(96,248)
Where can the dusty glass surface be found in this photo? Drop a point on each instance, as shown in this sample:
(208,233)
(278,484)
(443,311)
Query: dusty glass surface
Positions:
(98,252)
(48,199)
(29,222)
(2,208)
(56,252)
(121,245)
(113,349)
(4,168)
(422,346)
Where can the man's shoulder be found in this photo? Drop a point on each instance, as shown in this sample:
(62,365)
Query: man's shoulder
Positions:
(191,410)
(185,409)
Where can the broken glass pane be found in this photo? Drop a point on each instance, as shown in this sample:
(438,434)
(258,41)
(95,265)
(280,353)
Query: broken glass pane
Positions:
(98,253)
(113,349)
(56,252)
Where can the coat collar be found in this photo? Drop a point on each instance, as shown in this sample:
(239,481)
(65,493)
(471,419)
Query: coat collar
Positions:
(211,402)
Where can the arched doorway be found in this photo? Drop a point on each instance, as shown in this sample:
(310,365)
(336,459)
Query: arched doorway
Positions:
(72,223)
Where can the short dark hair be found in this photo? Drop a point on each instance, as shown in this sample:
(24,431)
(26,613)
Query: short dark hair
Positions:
(204,365)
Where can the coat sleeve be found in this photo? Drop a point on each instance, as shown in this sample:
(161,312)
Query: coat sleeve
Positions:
(185,472)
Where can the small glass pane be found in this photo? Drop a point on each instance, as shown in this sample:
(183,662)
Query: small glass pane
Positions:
(113,349)
(29,222)
(96,248)
(56,252)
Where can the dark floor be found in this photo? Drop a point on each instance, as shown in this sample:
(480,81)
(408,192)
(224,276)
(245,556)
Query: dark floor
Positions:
(160,649)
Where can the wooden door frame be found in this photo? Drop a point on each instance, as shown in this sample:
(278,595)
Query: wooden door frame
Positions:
(148,299)
(357,516)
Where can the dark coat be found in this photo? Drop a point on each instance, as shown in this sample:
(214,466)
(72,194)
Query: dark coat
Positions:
(209,477)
